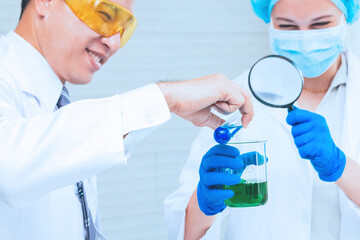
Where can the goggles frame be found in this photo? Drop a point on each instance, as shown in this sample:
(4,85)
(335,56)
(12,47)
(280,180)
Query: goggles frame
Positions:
(105,17)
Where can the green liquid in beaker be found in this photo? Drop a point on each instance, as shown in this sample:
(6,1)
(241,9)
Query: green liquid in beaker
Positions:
(247,194)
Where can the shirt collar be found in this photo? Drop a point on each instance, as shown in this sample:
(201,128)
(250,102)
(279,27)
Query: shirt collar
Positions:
(341,75)
(32,72)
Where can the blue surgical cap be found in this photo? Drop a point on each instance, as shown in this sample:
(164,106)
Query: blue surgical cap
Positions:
(263,8)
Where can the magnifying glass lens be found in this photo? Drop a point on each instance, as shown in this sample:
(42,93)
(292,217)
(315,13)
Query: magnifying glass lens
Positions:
(276,81)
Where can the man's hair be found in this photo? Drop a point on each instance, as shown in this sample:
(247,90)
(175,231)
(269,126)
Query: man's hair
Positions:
(24,4)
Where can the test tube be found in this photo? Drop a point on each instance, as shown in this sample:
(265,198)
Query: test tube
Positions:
(228,129)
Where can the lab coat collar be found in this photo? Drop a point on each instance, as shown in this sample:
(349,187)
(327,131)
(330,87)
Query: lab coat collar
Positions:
(342,74)
(351,128)
(34,74)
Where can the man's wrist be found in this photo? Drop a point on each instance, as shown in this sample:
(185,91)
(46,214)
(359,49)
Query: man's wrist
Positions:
(142,108)
(167,88)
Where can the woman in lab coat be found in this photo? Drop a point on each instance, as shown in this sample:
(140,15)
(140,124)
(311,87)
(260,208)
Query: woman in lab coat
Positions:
(308,200)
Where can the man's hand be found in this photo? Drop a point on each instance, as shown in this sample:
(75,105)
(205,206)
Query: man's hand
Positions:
(193,99)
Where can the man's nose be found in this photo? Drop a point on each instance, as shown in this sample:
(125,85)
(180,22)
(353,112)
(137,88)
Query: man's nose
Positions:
(113,42)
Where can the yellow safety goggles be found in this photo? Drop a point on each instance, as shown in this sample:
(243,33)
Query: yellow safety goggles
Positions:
(105,17)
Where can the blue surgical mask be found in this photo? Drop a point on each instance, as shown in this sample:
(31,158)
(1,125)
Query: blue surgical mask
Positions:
(314,51)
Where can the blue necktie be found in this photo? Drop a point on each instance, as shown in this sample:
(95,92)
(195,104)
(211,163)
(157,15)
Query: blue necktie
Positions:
(90,232)
(64,98)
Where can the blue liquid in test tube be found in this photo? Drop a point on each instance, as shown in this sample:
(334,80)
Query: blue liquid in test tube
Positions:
(225,132)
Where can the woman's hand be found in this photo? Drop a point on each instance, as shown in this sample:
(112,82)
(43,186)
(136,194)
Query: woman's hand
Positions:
(313,140)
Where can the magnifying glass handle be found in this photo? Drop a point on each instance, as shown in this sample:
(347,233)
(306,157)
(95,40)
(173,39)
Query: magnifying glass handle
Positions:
(291,108)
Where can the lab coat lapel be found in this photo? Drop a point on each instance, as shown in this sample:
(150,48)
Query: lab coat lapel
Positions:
(36,79)
(279,114)
(350,145)
(351,128)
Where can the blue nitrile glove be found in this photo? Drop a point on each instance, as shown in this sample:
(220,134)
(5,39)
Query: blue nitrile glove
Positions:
(313,140)
(210,194)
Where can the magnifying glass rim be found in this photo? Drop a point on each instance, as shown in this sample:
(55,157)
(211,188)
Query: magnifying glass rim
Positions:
(269,104)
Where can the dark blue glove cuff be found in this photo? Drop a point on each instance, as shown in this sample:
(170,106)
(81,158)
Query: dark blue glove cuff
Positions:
(207,208)
(336,169)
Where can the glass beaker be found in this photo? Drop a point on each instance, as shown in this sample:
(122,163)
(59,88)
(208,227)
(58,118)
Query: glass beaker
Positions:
(252,190)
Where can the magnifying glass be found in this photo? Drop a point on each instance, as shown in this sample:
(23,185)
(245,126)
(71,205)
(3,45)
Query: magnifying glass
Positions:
(276,81)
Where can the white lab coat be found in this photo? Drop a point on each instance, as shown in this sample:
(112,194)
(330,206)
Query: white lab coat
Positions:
(287,214)
(43,153)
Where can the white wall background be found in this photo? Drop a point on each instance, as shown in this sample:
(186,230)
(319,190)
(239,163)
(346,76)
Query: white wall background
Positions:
(175,39)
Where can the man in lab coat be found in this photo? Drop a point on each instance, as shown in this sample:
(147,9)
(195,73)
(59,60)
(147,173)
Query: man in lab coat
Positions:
(46,152)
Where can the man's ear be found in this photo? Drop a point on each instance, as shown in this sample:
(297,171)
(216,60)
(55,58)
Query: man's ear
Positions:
(42,7)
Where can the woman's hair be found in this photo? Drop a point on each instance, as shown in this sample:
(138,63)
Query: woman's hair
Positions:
(24,4)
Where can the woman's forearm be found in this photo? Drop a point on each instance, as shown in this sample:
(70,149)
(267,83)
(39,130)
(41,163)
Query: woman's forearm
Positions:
(196,222)
(349,182)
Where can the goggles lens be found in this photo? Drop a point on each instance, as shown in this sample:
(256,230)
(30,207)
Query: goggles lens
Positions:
(105,17)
